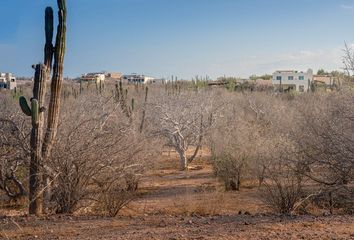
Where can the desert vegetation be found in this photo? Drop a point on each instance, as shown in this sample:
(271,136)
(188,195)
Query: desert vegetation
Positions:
(298,150)
(292,153)
(179,148)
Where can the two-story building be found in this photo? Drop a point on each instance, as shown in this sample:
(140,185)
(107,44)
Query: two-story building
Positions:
(7,81)
(292,80)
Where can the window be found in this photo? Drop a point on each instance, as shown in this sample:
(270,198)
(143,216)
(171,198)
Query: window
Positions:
(301,78)
(279,78)
(301,88)
(290,78)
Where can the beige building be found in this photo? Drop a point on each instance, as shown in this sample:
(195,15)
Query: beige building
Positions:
(93,77)
(114,75)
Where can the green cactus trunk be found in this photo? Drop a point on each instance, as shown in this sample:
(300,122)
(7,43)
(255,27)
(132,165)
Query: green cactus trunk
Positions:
(56,86)
(41,145)
(36,177)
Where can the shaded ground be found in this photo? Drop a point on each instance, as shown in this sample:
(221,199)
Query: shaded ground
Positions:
(162,213)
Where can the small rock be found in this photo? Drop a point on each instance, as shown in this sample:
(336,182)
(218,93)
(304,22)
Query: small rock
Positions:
(326,214)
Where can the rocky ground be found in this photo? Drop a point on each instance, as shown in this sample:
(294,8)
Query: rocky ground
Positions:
(173,227)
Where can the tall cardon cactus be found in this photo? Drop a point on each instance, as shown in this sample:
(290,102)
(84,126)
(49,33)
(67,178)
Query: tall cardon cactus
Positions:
(41,144)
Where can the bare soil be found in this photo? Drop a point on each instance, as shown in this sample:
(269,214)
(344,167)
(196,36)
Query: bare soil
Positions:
(162,213)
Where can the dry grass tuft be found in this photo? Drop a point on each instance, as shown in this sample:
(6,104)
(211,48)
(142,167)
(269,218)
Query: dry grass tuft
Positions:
(204,203)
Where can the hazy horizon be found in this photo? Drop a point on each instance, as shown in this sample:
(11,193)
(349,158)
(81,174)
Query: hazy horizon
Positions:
(182,37)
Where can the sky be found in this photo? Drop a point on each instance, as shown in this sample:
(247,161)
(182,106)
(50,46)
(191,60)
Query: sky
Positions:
(183,38)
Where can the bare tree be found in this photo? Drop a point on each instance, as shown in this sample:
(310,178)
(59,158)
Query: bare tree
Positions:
(348,59)
(242,139)
(325,146)
(183,119)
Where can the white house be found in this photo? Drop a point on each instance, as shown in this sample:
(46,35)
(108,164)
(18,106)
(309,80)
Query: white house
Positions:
(7,81)
(135,78)
(292,80)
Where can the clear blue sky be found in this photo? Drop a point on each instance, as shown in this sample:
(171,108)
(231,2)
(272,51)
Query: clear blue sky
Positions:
(182,37)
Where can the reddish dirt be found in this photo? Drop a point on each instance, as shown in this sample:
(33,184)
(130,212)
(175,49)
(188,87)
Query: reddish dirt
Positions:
(183,205)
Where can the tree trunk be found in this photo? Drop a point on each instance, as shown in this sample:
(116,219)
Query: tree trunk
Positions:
(199,144)
(183,161)
(191,158)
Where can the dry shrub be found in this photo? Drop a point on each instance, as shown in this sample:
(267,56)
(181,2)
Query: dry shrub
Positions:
(337,198)
(116,196)
(229,171)
(97,148)
(282,193)
(14,149)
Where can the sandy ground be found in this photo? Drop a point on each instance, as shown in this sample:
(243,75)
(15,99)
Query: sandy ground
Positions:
(183,205)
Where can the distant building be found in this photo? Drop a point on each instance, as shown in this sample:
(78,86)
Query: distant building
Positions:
(93,77)
(114,75)
(292,80)
(135,78)
(7,81)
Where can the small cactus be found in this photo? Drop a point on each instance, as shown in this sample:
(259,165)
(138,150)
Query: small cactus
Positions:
(121,97)
(81,88)
(133,104)
(144,111)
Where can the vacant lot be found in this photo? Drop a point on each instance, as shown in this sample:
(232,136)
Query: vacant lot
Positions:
(162,213)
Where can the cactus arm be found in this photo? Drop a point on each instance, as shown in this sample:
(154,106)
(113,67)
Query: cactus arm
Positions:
(48,48)
(35,112)
(24,106)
